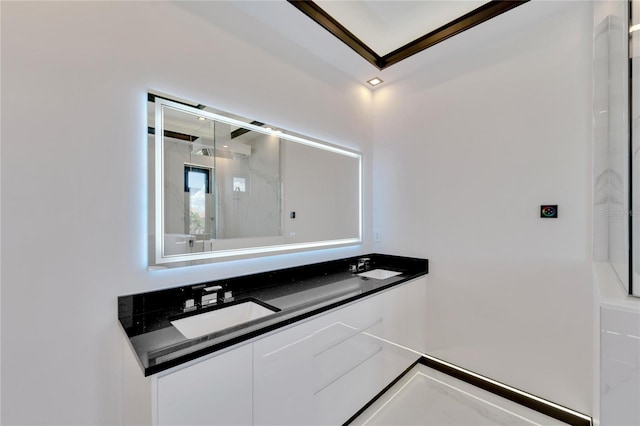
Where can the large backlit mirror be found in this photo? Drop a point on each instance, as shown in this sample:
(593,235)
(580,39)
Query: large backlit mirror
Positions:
(226,186)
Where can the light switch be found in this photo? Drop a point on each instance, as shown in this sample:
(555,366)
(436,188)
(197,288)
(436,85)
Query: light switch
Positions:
(549,211)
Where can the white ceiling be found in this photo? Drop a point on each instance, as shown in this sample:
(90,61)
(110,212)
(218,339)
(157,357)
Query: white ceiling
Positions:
(386,25)
(281,30)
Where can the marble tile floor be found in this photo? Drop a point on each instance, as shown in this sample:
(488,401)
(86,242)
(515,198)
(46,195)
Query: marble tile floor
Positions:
(425,396)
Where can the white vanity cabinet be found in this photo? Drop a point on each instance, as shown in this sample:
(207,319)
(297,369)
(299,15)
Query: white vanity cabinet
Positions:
(320,372)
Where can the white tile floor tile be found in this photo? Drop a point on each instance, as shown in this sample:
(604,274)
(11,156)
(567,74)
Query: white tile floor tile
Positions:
(427,397)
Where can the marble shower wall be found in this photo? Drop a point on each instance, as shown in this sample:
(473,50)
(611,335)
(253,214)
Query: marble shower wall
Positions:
(250,207)
(611,155)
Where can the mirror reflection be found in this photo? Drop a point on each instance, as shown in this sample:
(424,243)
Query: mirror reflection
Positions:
(225,186)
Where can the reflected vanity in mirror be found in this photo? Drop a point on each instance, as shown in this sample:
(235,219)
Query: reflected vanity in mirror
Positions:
(224,186)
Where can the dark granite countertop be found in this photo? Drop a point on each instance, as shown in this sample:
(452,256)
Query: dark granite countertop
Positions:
(296,293)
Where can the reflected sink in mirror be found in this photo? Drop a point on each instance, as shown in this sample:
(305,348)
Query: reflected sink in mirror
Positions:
(379,274)
(212,321)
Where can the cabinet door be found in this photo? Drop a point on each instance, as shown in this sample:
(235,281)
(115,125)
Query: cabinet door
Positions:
(404,328)
(406,316)
(282,385)
(217,391)
(415,314)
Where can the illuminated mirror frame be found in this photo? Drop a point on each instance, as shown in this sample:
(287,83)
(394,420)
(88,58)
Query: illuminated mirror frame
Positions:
(162,259)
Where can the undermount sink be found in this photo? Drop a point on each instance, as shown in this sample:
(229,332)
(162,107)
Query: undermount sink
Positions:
(379,274)
(210,322)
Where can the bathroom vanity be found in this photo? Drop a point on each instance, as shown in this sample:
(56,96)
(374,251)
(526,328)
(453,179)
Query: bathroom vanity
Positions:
(304,345)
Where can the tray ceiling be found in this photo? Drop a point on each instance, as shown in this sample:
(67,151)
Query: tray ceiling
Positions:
(385,26)
(386,32)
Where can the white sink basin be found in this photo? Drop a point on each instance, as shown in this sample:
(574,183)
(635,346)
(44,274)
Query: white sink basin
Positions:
(210,322)
(379,274)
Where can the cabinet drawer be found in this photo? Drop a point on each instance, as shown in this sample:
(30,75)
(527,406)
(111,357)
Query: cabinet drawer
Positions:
(342,348)
(337,402)
(347,361)
(320,372)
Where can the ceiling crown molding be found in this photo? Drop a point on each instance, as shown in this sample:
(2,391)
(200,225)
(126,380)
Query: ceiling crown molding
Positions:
(477,16)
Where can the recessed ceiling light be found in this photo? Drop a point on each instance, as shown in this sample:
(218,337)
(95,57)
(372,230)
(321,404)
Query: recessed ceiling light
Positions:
(225,146)
(201,118)
(374,81)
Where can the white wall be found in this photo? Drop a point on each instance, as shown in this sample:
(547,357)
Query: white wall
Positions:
(74,83)
(465,152)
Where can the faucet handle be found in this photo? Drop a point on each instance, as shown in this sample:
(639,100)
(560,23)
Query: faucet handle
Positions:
(363,264)
(189,305)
